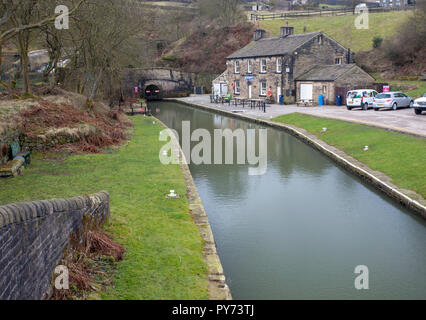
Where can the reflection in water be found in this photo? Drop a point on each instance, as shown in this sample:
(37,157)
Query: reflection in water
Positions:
(299,231)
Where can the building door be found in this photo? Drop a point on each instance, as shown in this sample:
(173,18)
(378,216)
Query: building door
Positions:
(306,91)
(278,94)
(216,89)
(249,91)
(223,89)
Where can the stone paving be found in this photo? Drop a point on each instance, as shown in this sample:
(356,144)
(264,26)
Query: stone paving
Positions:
(403,120)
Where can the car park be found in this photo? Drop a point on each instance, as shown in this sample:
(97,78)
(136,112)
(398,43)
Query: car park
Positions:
(362,98)
(419,104)
(392,100)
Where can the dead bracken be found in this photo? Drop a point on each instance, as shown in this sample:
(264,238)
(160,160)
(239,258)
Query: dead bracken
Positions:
(47,126)
(92,267)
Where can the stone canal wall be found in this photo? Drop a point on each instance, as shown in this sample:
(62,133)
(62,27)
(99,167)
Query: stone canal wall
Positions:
(377,179)
(35,236)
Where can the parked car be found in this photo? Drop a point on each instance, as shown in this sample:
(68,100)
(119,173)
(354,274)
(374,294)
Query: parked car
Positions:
(420,104)
(362,98)
(392,100)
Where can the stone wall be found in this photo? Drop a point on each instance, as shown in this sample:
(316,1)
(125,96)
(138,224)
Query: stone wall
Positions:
(172,83)
(326,88)
(34,237)
(315,51)
(271,76)
(355,77)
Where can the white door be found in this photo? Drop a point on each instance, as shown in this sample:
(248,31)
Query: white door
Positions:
(306,91)
(223,89)
(249,91)
(216,89)
(278,94)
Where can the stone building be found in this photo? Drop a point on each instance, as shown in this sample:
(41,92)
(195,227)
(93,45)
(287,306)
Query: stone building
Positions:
(269,66)
(325,80)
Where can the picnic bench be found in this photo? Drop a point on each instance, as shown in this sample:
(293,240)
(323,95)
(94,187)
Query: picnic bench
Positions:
(18,160)
(215,98)
(305,103)
(236,101)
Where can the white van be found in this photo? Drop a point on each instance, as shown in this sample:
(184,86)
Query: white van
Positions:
(361,98)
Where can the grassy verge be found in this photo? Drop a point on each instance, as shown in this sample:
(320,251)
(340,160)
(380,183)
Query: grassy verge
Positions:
(163,258)
(399,156)
(342,28)
(401,85)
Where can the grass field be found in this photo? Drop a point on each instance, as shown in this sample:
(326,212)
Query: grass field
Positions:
(163,258)
(399,156)
(342,28)
(401,84)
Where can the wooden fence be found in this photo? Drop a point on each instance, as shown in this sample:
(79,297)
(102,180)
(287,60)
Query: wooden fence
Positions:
(323,12)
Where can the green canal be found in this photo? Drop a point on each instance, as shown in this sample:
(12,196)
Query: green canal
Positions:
(299,230)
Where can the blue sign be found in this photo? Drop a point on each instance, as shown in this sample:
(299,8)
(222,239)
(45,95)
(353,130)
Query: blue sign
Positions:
(249,78)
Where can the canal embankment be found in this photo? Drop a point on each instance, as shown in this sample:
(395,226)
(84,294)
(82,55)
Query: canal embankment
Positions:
(163,247)
(217,287)
(382,177)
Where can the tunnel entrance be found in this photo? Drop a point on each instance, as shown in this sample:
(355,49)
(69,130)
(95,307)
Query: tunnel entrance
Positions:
(153,92)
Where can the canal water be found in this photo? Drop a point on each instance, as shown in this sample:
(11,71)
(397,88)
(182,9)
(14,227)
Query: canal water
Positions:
(300,230)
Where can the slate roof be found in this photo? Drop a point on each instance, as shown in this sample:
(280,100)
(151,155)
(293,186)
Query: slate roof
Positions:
(325,72)
(273,46)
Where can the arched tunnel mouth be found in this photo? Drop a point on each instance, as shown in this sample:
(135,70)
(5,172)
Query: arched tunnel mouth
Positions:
(153,92)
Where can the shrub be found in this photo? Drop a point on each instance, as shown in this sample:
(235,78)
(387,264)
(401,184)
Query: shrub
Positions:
(168,58)
(377,42)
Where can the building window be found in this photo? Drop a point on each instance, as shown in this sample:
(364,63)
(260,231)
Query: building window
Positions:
(263,88)
(320,39)
(338,60)
(237,87)
(279,65)
(263,66)
(324,89)
(249,66)
(237,66)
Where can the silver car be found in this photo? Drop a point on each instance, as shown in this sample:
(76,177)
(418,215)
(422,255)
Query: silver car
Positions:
(392,100)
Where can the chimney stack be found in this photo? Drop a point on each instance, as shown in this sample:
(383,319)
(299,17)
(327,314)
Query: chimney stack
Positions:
(286,31)
(258,34)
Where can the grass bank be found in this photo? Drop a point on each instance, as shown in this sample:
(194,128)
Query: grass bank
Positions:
(399,156)
(163,258)
(342,28)
(414,88)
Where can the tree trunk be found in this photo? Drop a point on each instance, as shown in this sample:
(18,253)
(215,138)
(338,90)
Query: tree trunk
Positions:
(1,66)
(23,48)
(27,82)
(95,85)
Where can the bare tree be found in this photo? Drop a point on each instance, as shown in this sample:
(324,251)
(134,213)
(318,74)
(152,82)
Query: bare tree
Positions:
(19,19)
(102,42)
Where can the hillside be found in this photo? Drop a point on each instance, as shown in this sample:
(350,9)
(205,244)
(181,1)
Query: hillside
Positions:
(205,50)
(342,28)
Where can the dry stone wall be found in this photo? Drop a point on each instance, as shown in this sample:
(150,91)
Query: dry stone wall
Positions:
(34,237)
